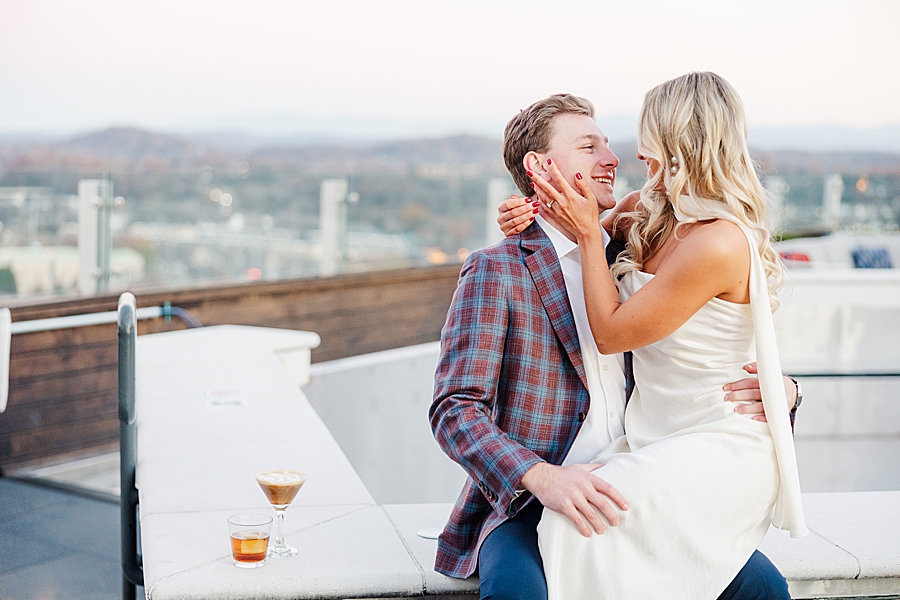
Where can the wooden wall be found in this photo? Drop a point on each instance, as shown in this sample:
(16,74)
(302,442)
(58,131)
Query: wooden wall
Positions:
(62,392)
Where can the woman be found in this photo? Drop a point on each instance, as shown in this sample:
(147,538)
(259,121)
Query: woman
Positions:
(696,290)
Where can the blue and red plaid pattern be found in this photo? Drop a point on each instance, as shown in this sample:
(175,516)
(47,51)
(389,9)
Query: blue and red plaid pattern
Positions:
(510,388)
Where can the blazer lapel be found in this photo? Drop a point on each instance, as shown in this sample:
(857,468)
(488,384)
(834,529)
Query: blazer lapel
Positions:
(542,262)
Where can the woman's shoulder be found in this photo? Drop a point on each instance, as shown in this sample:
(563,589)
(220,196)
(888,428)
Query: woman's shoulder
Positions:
(717,242)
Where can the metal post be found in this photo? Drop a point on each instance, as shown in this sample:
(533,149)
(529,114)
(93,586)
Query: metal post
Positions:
(132,571)
(831,200)
(5,338)
(332,224)
(94,235)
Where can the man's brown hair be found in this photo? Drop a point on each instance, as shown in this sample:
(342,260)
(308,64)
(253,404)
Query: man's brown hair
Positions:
(530,131)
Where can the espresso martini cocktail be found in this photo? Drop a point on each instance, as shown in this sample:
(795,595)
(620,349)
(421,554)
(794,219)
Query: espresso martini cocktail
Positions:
(280,488)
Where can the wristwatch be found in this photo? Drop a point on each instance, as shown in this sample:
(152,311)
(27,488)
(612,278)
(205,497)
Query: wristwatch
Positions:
(799,392)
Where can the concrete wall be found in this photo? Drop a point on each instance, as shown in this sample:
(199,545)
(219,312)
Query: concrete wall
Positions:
(376,407)
(844,320)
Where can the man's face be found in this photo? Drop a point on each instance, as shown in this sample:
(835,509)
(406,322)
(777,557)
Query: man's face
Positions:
(578,146)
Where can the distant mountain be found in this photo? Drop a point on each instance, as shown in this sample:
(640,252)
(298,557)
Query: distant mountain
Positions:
(460,151)
(132,148)
(128,144)
(341,130)
(787,162)
(827,139)
(243,141)
(247,133)
(453,149)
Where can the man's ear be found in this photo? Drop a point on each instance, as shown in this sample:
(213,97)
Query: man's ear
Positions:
(533,162)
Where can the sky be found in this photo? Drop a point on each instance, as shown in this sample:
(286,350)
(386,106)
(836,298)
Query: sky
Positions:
(426,67)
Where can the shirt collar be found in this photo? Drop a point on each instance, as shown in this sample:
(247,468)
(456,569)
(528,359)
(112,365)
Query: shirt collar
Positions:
(561,243)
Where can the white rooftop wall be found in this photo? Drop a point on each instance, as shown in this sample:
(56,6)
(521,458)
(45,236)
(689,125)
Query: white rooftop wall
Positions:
(841,320)
(376,407)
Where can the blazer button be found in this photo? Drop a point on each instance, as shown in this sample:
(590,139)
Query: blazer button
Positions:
(581,417)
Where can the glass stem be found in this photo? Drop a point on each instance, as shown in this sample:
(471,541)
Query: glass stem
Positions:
(279,530)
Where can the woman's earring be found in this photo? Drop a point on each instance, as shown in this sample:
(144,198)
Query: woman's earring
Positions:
(674,165)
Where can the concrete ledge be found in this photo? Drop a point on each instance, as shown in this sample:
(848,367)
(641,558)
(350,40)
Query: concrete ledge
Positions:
(864,589)
(808,558)
(344,552)
(852,549)
(864,524)
(410,518)
(216,405)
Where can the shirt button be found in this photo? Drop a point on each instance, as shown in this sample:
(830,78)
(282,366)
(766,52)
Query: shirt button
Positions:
(581,417)
(606,367)
(612,415)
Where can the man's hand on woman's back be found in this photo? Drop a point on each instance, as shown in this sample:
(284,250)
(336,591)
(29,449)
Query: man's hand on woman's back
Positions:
(746,391)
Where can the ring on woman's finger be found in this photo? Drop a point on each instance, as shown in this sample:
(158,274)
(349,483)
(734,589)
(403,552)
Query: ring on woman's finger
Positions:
(550,204)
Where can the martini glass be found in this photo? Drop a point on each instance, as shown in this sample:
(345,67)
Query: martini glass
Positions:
(280,487)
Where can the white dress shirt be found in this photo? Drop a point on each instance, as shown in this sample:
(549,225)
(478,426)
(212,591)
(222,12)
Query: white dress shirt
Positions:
(605,374)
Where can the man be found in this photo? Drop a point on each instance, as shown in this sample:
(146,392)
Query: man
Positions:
(522,397)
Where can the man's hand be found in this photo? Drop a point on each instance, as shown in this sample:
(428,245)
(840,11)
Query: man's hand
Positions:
(747,390)
(574,492)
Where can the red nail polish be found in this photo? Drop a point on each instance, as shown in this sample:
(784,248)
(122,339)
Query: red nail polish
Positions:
(531,220)
(535,204)
(536,211)
(578,176)
(549,162)
(532,183)
(530,174)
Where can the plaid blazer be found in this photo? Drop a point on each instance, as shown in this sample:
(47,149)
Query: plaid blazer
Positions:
(510,388)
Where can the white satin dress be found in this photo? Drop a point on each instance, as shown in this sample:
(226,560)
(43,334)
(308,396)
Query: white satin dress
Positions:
(701,480)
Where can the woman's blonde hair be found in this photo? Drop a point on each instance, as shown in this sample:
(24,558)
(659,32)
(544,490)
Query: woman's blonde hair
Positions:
(694,127)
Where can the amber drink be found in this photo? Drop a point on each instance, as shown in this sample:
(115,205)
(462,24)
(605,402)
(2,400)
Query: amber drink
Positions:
(249,546)
(249,539)
(280,488)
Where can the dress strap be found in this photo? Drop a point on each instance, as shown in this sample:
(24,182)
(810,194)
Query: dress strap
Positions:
(788,506)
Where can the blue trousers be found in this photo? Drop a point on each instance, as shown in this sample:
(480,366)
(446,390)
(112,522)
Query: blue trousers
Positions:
(510,567)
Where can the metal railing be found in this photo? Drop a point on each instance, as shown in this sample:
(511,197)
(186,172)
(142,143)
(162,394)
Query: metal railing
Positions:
(5,332)
(151,312)
(132,568)
(8,329)
(848,374)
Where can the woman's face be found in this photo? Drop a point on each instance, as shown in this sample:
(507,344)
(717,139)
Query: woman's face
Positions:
(653,168)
